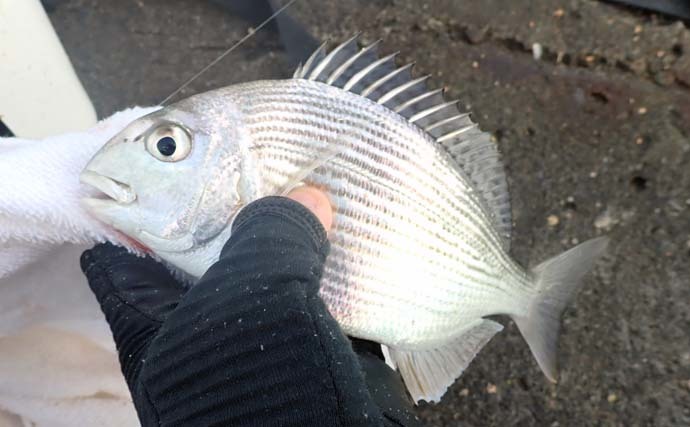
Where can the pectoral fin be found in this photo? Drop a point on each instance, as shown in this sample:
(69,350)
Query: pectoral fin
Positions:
(429,373)
(324,158)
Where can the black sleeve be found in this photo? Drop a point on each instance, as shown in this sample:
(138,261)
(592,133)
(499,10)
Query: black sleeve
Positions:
(252,343)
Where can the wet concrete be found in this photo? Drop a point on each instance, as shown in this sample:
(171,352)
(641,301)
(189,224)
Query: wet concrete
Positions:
(595,136)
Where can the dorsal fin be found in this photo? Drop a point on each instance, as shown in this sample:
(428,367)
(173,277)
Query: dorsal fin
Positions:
(363,72)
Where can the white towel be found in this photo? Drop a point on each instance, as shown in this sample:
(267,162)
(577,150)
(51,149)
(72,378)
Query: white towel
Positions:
(58,365)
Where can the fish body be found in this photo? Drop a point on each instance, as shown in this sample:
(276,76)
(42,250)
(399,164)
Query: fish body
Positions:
(402,212)
(419,246)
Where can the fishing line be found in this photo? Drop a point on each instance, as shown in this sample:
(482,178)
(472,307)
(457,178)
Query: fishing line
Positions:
(224,54)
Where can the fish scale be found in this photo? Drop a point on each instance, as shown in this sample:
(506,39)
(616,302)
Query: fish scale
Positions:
(422,224)
(325,122)
(371,150)
(297,142)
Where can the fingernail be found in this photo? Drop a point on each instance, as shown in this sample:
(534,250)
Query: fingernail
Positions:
(317,202)
(306,197)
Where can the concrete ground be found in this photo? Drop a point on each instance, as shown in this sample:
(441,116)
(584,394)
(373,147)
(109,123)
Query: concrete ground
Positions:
(596,140)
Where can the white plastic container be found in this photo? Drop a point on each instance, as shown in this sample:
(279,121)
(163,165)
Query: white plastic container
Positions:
(40,94)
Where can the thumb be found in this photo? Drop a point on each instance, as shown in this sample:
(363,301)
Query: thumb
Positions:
(317,202)
(135,294)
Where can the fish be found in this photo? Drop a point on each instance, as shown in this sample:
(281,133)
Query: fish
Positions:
(420,244)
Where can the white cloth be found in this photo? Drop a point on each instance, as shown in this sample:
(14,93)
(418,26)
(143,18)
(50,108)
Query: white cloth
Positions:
(58,365)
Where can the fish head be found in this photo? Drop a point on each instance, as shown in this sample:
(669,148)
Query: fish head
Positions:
(170,181)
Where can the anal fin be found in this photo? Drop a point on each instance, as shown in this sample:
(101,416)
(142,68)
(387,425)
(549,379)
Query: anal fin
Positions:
(385,350)
(429,373)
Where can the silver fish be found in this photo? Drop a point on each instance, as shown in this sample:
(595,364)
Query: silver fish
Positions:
(420,244)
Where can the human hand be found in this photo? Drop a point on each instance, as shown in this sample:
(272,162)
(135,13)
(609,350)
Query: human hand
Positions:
(251,342)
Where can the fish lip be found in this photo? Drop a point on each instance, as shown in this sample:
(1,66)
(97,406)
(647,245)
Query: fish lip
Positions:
(117,191)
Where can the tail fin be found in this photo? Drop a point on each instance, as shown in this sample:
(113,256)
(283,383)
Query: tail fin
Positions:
(558,280)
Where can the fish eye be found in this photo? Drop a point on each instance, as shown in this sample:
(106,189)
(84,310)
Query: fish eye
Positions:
(166,146)
(169,143)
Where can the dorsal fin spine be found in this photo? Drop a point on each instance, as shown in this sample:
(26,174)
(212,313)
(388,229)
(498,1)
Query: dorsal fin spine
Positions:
(474,154)
(372,87)
(366,70)
(340,70)
(446,121)
(416,99)
(323,64)
(400,89)
(456,132)
(431,110)
(310,61)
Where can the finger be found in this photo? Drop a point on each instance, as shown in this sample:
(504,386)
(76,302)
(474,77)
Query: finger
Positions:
(135,294)
(140,282)
(317,202)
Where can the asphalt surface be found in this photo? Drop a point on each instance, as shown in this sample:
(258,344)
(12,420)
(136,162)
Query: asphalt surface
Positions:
(596,139)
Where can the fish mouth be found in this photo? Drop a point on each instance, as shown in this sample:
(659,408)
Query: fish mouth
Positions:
(116,191)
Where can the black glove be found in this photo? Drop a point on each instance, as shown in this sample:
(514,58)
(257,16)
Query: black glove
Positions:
(251,343)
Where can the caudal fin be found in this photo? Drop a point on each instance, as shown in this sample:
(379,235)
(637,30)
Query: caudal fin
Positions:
(557,280)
